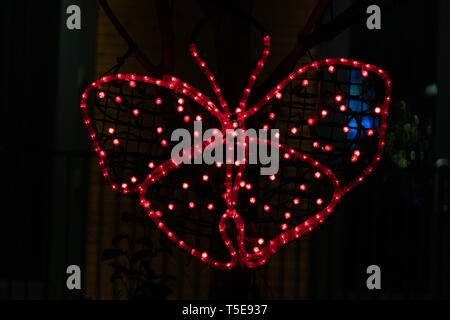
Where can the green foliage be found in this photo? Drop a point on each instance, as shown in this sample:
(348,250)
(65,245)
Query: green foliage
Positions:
(408,138)
(131,260)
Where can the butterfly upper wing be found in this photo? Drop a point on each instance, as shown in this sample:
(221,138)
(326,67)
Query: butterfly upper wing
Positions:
(130,119)
(332,110)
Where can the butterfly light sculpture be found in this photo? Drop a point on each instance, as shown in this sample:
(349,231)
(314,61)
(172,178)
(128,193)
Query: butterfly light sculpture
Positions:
(332,116)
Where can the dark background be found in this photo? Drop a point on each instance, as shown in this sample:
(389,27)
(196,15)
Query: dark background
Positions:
(398,219)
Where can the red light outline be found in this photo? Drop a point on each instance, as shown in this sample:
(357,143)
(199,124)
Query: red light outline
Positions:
(260,257)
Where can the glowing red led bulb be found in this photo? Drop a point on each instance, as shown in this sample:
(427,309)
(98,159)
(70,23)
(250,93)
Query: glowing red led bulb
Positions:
(111,130)
(272,177)
(136,112)
(279,95)
(305,82)
(180,101)
(151,165)
(124,185)
(338,98)
(158,101)
(185,185)
(364,73)
(296,201)
(205,177)
(132,84)
(310,121)
(260,241)
(180,108)
(284,226)
(171,206)
(317,175)
(118,99)
(370,132)
(164,143)
(252,200)
(133,179)
(316,144)
(343,107)
(287,215)
(302,187)
(101,94)
(319,201)
(266,208)
(210,206)
(324,113)
(331,69)
(116,142)
(346,129)
(271,116)
(186,119)
(328,148)
(294,130)
(377,110)
(191,205)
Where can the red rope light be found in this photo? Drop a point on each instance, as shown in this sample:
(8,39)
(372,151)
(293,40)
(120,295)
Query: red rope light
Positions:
(262,249)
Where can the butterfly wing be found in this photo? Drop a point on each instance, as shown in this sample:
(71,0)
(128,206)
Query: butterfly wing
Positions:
(332,120)
(131,119)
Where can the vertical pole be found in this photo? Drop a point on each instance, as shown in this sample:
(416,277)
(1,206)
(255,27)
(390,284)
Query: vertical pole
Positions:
(440,264)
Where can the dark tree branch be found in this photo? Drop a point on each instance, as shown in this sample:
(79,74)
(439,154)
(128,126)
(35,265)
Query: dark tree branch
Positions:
(142,59)
(289,62)
(351,16)
(313,35)
(163,9)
